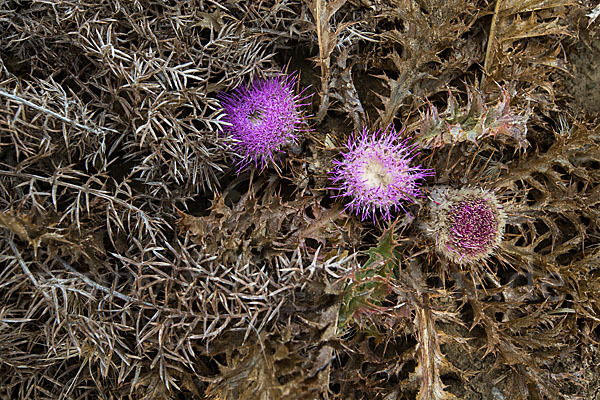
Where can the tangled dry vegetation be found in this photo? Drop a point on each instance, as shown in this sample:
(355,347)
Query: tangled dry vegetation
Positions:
(137,264)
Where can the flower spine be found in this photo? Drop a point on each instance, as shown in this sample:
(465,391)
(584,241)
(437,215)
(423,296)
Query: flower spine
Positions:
(376,173)
(263,119)
(467,224)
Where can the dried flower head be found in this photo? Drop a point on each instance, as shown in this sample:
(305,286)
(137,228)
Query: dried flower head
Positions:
(468,224)
(263,118)
(376,173)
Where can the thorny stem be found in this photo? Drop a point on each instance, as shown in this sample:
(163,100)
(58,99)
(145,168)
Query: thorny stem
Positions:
(28,103)
(98,286)
(490,44)
(25,268)
(323,59)
(98,193)
(72,270)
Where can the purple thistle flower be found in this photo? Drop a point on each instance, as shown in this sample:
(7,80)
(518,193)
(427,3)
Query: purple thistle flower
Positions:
(376,173)
(263,118)
(468,224)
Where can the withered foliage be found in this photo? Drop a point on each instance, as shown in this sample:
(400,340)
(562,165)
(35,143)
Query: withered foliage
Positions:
(473,122)
(138,264)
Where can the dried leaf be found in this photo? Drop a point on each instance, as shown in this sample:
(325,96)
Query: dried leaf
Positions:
(473,122)
(431,361)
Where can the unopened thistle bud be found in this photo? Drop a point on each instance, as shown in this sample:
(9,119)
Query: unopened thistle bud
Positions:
(263,118)
(376,173)
(467,224)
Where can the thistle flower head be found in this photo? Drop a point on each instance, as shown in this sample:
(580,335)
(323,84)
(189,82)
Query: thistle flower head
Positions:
(376,173)
(468,224)
(263,118)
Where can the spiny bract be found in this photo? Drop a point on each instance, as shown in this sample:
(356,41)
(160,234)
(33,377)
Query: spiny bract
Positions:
(376,173)
(467,224)
(263,118)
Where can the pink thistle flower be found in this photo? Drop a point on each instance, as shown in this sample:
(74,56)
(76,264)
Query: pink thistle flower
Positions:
(468,224)
(376,173)
(263,118)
